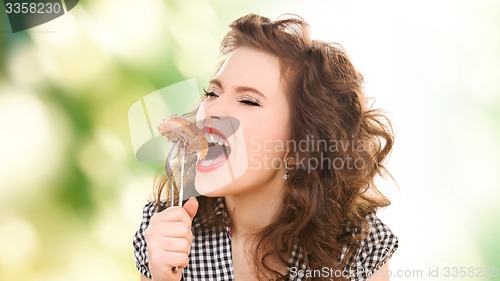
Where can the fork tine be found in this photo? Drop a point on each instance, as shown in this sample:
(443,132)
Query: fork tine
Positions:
(183,162)
(170,175)
(169,172)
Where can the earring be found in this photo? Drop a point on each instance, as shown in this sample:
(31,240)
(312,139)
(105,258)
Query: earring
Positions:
(285,176)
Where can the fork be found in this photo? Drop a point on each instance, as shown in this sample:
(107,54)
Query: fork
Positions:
(174,152)
(170,174)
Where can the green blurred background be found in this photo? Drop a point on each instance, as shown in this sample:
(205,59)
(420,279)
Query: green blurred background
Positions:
(71,190)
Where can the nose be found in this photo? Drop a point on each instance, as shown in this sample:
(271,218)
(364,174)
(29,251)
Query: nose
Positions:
(210,110)
(214,108)
(219,113)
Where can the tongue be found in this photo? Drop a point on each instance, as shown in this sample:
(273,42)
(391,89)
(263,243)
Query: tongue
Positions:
(216,150)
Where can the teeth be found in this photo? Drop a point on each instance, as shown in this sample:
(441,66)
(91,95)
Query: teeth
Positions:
(215,139)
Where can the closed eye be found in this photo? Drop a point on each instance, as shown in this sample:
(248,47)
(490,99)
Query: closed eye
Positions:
(250,101)
(210,94)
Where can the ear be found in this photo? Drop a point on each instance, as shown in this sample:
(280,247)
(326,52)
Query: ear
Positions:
(290,159)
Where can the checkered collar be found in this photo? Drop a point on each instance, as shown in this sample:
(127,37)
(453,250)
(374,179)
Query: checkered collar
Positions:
(220,209)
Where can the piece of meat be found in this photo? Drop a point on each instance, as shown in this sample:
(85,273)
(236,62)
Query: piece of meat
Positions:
(176,128)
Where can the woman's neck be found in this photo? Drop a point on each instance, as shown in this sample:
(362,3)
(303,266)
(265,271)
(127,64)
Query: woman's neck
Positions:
(250,211)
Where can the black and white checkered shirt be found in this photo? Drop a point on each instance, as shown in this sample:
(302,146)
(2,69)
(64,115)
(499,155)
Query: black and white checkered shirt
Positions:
(210,257)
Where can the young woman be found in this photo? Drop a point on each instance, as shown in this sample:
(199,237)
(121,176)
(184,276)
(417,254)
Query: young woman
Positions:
(288,193)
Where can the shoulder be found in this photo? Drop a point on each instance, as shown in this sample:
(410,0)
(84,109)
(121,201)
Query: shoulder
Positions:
(139,242)
(148,211)
(379,235)
(376,247)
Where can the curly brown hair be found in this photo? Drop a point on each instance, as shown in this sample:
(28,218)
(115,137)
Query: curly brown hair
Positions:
(326,205)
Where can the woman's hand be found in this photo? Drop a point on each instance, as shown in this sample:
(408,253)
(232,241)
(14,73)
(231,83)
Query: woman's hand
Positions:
(169,239)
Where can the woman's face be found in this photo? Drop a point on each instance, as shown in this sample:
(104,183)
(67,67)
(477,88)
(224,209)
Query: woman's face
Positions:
(245,116)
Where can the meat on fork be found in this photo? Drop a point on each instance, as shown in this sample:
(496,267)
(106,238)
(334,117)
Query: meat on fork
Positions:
(176,128)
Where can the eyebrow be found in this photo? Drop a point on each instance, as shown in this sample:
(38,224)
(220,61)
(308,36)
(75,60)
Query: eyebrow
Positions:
(240,88)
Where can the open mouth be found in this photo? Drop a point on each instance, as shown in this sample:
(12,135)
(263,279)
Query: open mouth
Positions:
(218,151)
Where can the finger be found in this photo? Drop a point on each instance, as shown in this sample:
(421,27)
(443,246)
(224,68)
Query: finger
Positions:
(169,229)
(172,214)
(177,245)
(179,260)
(170,259)
(191,207)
